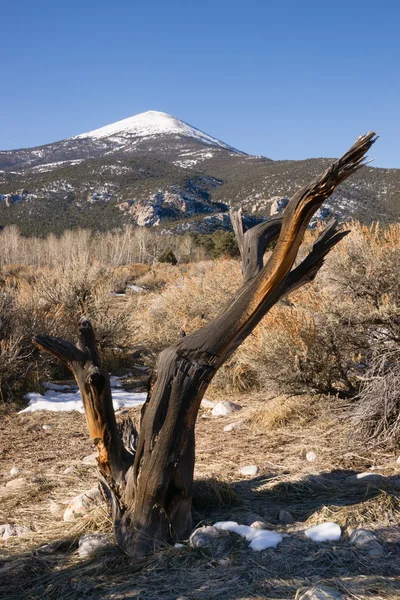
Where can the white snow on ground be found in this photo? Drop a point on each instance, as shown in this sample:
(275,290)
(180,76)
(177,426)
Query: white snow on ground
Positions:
(324,532)
(259,539)
(151,123)
(63,398)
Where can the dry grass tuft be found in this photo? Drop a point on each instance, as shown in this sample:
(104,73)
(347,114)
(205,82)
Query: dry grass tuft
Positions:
(281,411)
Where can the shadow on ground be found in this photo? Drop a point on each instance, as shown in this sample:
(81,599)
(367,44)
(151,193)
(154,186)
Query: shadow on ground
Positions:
(230,570)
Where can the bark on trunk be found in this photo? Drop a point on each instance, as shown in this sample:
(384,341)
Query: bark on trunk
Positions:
(151,498)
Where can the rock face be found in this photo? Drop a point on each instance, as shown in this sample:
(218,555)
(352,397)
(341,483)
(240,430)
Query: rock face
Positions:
(204,536)
(89,545)
(278,205)
(225,408)
(82,504)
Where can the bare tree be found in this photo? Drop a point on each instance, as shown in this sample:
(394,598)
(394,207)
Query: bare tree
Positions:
(150,487)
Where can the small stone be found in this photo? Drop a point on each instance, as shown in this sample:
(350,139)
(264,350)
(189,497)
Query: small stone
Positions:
(55,509)
(286,517)
(47,427)
(366,478)
(204,536)
(82,504)
(321,592)
(225,408)
(90,459)
(16,484)
(249,470)
(232,426)
(366,540)
(259,525)
(207,403)
(14,471)
(311,456)
(70,470)
(93,543)
(398,460)
(9,530)
(178,545)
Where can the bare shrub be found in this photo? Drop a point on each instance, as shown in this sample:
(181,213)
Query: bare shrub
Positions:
(376,415)
(186,302)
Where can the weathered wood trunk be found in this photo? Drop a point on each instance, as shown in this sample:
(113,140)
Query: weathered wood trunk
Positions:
(151,495)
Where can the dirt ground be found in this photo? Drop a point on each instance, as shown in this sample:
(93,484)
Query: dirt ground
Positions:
(314,492)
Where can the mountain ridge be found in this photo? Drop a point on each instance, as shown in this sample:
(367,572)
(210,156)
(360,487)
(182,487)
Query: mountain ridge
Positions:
(157,171)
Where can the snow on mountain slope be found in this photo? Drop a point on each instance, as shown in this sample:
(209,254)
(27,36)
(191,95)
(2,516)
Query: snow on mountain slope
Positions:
(153,123)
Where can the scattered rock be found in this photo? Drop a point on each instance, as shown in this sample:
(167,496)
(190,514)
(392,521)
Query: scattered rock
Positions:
(259,525)
(232,426)
(278,205)
(14,471)
(207,403)
(37,479)
(82,504)
(311,456)
(55,509)
(366,478)
(398,461)
(177,545)
(249,470)
(225,408)
(286,517)
(324,532)
(70,470)
(321,592)
(16,484)
(366,540)
(47,427)
(9,530)
(204,536)
(90,459)
(93,543)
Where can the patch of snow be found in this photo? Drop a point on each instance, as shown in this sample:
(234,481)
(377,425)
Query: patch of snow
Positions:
(58,401)
(149,124)
(259,539)
(324,532)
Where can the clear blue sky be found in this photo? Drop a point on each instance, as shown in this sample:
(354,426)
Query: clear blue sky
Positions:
(286,79)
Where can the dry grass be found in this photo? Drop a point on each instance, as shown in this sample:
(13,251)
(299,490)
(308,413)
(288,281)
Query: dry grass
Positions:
(313,492)
(281,411)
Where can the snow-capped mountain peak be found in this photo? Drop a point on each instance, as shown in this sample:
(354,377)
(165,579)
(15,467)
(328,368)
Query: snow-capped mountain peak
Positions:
(149,124)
